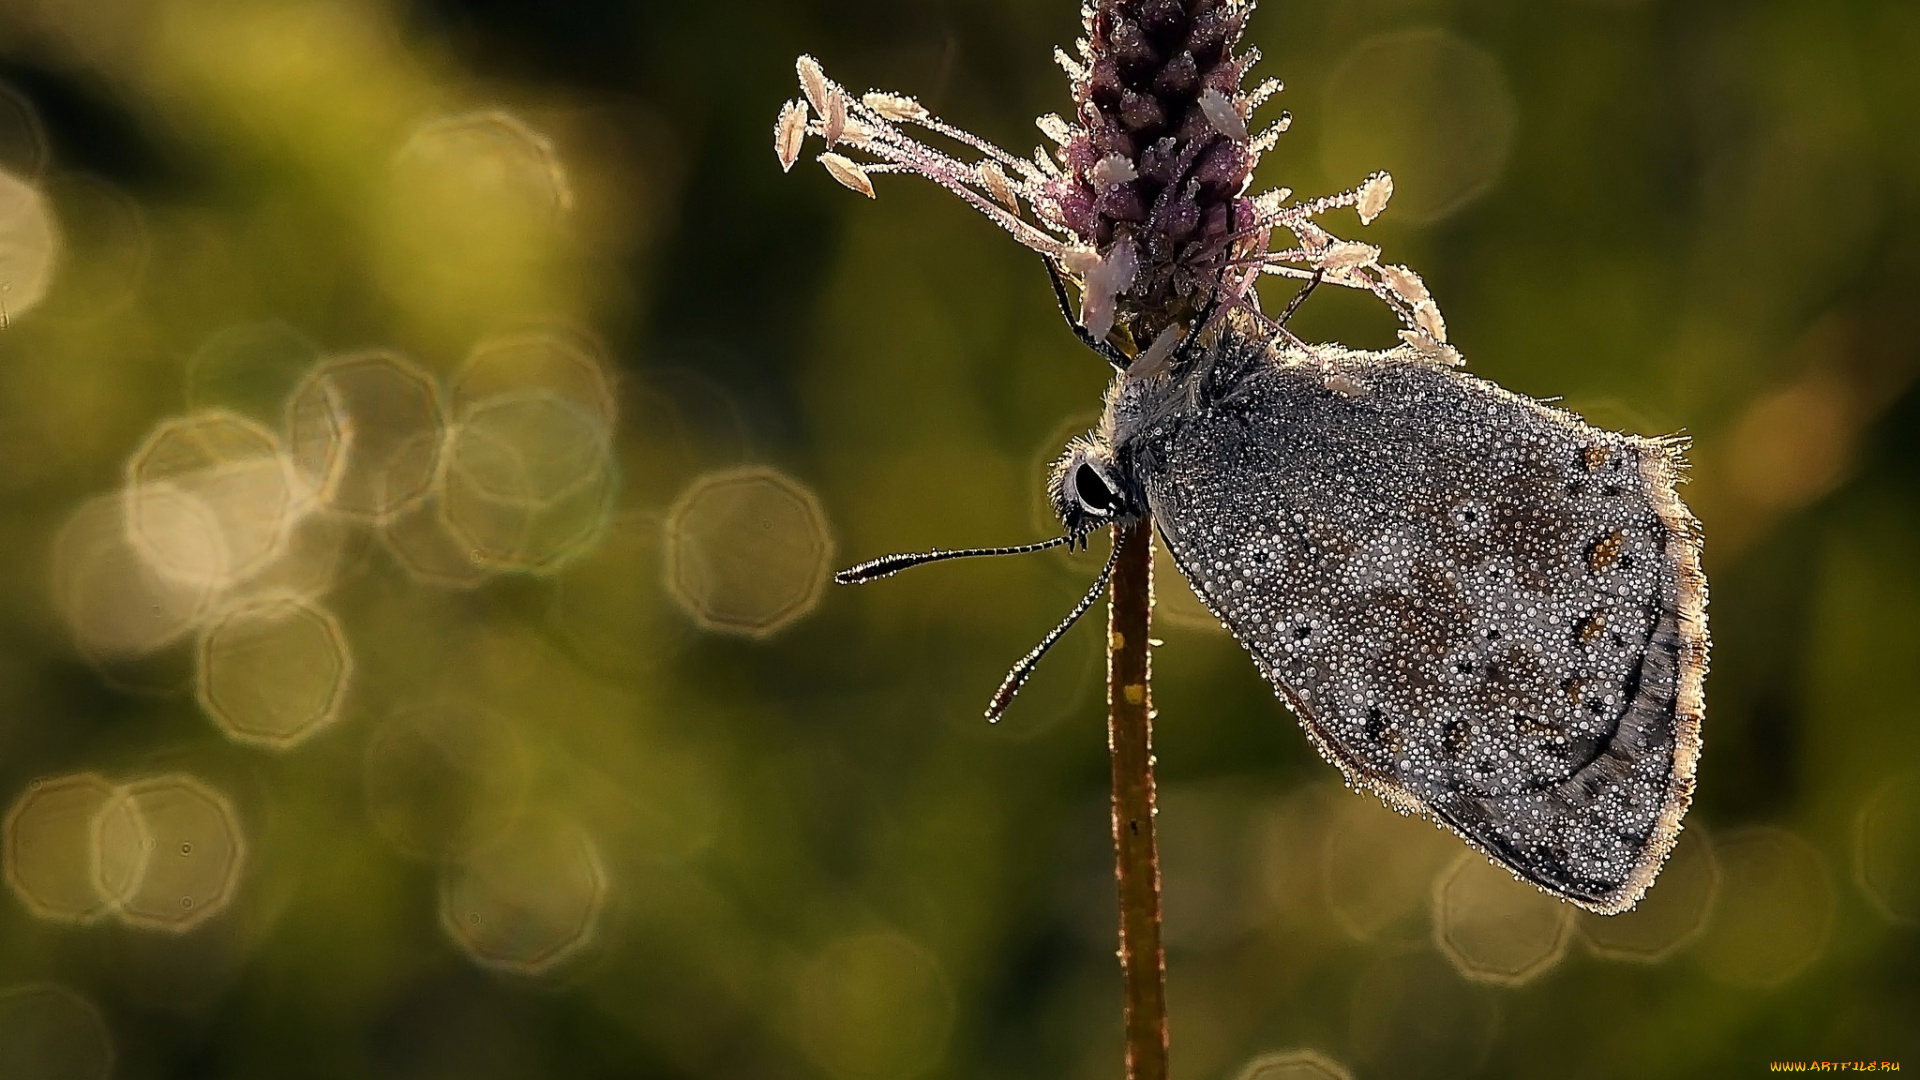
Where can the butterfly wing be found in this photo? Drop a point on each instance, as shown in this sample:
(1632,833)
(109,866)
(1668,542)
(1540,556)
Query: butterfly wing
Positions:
(1480,607)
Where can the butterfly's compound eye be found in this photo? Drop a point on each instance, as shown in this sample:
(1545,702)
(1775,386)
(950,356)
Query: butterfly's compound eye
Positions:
(1095,496)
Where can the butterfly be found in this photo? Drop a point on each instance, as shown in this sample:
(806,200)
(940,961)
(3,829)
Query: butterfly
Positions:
(1481,608)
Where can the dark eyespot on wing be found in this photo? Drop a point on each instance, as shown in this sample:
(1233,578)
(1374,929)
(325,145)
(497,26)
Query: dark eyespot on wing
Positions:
(1462,620)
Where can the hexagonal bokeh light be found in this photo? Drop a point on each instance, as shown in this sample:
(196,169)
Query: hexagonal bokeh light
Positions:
(49,1032)
(748,551)
(529,480)
(873,1005)
(273,671)
(1773,917)
(114,601)
(1380,867)
(1295,1065)
(564,364)
(29,244)
(49,846)
(1886,849)
(210,498)
(1671,915)
(1495,928)
(365,432)
(170,852)
(528,902)
(445,779)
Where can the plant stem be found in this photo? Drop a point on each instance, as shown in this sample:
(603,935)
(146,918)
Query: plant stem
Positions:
(1136,860)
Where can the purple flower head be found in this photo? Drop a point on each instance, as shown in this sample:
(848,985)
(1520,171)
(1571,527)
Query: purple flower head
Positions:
(1142,202)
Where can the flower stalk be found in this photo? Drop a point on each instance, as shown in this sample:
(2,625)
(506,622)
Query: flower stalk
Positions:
(1136,856)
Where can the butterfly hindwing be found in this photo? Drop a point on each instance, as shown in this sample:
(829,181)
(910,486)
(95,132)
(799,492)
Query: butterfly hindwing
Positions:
(1480,607)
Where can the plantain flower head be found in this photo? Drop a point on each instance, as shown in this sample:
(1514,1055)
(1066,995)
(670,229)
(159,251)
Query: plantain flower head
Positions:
(1142,199)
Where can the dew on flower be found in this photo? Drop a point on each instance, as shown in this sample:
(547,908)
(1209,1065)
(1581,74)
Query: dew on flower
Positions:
(813,82)
(1222,114)
(996,182)
(849,174)
(1373,197)
(1406,283)
(894,106)
(833,122)
(1346,255)
(789,132)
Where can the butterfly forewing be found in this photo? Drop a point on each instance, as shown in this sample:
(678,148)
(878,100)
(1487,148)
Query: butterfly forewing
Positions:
(1480,607)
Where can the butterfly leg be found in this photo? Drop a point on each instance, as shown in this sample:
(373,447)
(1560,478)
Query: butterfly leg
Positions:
(1299,298)
(1280,325)
(1200,321)
(1107,350)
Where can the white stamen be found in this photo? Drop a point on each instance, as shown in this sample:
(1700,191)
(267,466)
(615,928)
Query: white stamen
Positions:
(1054,128)
(789,133)
(994,179)
(858,135)
(1268,203)
(1374,194)
(833,123)
(1420,341)
(1154,360)
(1079,260)
(894,107)
(1222,114)
(1347,254)
(1075,72)
(1406,283)
(1427,314)
(1112,171)
(1104,284)
(813,82)
(845,171)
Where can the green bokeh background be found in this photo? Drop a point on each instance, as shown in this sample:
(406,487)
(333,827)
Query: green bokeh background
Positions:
(1678,216)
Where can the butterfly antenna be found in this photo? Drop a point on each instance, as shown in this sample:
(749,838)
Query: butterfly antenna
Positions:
(889,565)
(1017,678)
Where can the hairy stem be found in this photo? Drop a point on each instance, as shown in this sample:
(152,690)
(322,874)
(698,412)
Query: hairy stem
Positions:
(1136,860)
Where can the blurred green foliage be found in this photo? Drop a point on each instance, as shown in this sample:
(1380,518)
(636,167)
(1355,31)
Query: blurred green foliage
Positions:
(802,854)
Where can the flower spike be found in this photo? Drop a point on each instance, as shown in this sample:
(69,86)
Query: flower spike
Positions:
(1142,202)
